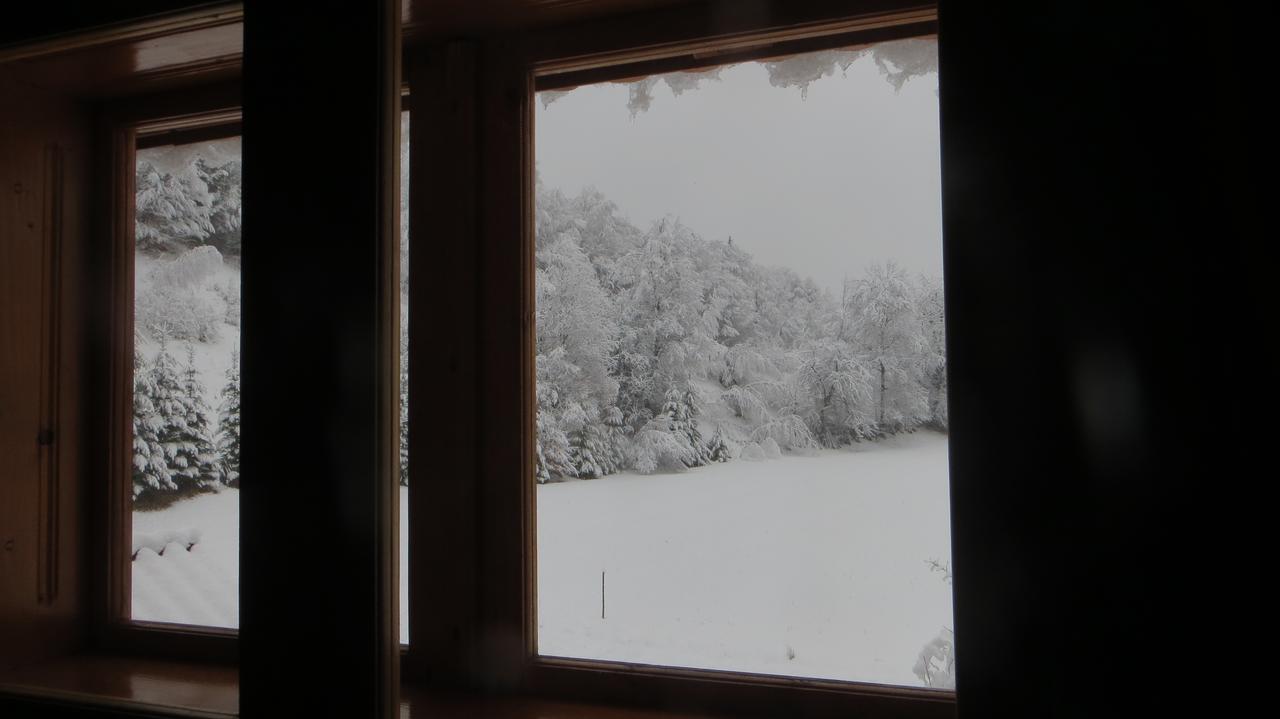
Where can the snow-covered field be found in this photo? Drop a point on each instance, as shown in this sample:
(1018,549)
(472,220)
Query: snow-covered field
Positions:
(202,586)
(805,565)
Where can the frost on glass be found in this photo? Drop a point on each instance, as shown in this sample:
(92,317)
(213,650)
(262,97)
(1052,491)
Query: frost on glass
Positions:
(186,385)
(741,403)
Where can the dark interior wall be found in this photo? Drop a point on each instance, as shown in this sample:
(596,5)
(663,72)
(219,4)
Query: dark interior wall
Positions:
(1108,366)
(66,16)
(1098,161)
(45,158)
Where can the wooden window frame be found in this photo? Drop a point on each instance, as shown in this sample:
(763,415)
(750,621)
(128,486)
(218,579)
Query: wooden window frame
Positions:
(168,118)
(175,117)
(472,182)
(483,93)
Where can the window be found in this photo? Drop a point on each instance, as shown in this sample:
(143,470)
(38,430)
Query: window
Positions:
(185,456)
(474,531)
(740,428)
(184,475)
(491,629)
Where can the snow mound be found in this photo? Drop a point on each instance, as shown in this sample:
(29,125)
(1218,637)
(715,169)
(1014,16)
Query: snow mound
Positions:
(159,541)
(770,448)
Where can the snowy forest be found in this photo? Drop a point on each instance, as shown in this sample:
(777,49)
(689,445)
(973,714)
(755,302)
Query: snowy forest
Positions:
(662,350)
(659,349)
(186,422)
(186,379)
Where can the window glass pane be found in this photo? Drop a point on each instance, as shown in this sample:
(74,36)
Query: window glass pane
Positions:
(741,421)
(186,385)
(404,378)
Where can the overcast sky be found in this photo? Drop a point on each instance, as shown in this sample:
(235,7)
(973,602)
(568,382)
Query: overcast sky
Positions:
(824,185)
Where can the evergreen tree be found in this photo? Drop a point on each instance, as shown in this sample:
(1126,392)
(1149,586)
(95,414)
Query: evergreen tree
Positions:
(588,453)
(672,439)
(404,408)
(173,409)
(170,213)
(718,447)
(229,424)
(205,469)
(223,183)
(597,450)
(151,475)
(552,460)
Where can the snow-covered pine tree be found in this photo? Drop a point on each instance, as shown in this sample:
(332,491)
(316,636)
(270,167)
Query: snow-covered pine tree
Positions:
(229,424)
(588,452)
(680,408)
(616,432)
(172,408)
(223,183)
(168,216)
(599,449)
(718,447)
(404,405)
(151,474)
(930,306)
(205,470)
(552,459)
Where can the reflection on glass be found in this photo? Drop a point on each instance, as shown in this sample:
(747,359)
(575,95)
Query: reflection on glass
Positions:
(741,408)
(186,385)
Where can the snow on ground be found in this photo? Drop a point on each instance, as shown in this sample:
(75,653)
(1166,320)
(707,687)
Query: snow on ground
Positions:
(202,586)
(804,566)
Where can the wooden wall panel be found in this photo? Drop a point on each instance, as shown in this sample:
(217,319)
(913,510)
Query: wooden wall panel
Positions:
(43,166)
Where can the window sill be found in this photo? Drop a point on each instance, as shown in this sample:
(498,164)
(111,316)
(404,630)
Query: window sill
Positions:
(422,703)
(153,688)
(145,687)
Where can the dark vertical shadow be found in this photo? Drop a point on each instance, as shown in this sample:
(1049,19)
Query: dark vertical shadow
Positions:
(321,118)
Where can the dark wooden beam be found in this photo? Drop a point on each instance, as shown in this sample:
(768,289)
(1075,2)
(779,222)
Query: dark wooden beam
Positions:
(318,521)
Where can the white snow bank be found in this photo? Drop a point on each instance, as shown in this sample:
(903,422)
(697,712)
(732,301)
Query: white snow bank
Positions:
(201,586)
(805,566)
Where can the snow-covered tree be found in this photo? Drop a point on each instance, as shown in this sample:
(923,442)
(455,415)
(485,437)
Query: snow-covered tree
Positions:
(661,307)
(151,475)
(930,306)
(718,449)
(404,405)
(205,469)
(223,186)
(836,388)
(576,334)
(175,301)
(229,424)
(170,212)
(173,407)
(880,320)
(936,664)
(552,451)
(629,324)
(683,443)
